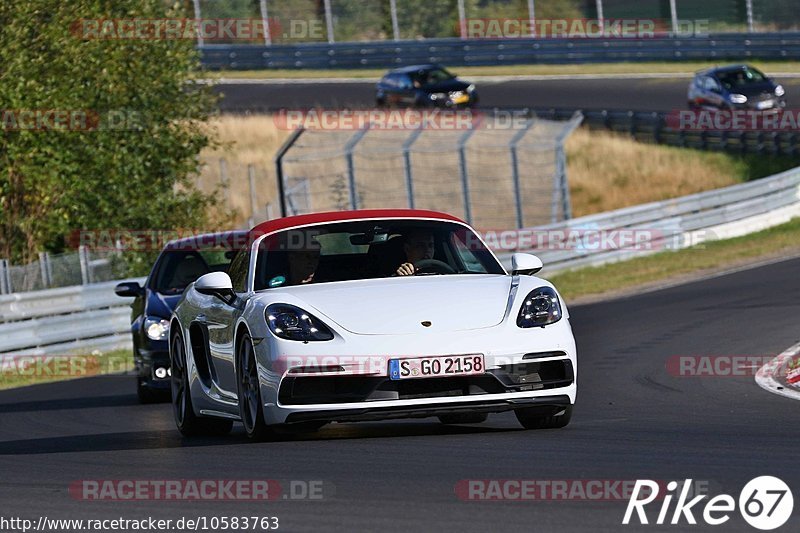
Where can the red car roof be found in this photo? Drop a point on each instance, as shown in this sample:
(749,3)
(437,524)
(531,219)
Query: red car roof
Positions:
(336,216)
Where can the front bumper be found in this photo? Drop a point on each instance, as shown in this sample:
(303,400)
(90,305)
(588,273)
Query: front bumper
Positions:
(148,363)
(383,412)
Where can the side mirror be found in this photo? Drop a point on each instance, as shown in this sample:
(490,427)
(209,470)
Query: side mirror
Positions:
(525,264)
(129,289)
(215,284)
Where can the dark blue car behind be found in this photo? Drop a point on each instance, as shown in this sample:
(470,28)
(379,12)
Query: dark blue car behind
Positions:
(179,264)
(424,86)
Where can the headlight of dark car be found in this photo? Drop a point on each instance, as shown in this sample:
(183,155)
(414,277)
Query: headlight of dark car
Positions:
(156,328)
(738,98)
(540,308)
(292,323)
(439,96)
(779,90)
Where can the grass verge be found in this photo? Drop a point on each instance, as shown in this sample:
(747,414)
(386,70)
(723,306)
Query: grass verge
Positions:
(19,371)
(778,241)
(665,67)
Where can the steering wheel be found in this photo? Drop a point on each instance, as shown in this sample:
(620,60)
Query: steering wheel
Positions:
(433,266)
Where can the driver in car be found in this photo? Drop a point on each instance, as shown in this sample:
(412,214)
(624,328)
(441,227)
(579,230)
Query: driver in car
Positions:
(419,245)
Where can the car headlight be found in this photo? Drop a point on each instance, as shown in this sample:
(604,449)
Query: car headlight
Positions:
(540,308)
(779,90)
(471,87)
(738,98)
(157,329)
(292,323)
(439,96)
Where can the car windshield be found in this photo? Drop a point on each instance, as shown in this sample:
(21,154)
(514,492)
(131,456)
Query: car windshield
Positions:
(740,77)
(176,269)
(432,77)
(370,249)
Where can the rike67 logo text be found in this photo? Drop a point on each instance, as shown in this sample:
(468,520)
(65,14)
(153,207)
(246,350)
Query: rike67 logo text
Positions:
(765,503)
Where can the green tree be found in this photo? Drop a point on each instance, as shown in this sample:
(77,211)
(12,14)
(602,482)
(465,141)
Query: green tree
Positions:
(134,170)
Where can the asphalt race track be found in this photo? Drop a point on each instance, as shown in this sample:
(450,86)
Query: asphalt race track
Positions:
(637,94)
(633,420)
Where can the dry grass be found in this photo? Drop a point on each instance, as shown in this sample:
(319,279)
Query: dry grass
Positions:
(606,171)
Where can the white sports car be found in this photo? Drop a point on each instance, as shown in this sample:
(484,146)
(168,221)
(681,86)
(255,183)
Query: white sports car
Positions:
(369,315)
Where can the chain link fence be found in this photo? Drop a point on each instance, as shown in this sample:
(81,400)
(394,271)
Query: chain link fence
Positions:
(295,21)
(83,267)
(493,177)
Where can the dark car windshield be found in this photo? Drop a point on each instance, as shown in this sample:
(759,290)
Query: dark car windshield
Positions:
(370,249)
(178,268)
(432,77)
(733,79)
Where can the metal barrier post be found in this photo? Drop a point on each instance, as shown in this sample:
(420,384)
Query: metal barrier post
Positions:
(561,185)
(515,171)
(83,259)
(43,269)
(462,160)
(407,165)
(351,171)
(279,166)
(251,178)
(5,278)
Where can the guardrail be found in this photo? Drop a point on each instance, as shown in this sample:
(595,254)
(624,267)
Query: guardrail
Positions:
(653,126)
(670,225)
(63,320)
(483,52)
(83,318)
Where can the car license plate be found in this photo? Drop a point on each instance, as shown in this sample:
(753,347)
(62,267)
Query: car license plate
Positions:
(429,367)
(463,99)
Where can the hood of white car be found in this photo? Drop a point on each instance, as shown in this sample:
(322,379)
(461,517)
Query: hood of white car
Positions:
(397,306)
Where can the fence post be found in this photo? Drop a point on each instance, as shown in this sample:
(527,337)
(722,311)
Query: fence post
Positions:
(251,178)
(44,268)
(532,18)
(462,160)
(5,277)
(329,20)
(395,24)
(351,171)
(265,20)
(515,171)
(198,28)
(407,165)
(83,259)
(750,25)
(462,20)
(673,10)
(279,166)
(600,20)
(561,185)
(223,178)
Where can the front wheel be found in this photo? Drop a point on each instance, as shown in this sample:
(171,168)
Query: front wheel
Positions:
(251,409)
(189,424)
(544,417)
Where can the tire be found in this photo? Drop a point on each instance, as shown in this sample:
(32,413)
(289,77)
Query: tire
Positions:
(463,418)
(543,417)
(188,423)
(251,409)
(149,395)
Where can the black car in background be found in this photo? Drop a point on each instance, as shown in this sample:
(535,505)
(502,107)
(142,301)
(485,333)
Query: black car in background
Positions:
(735,87)
(424,86)
(180,263)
